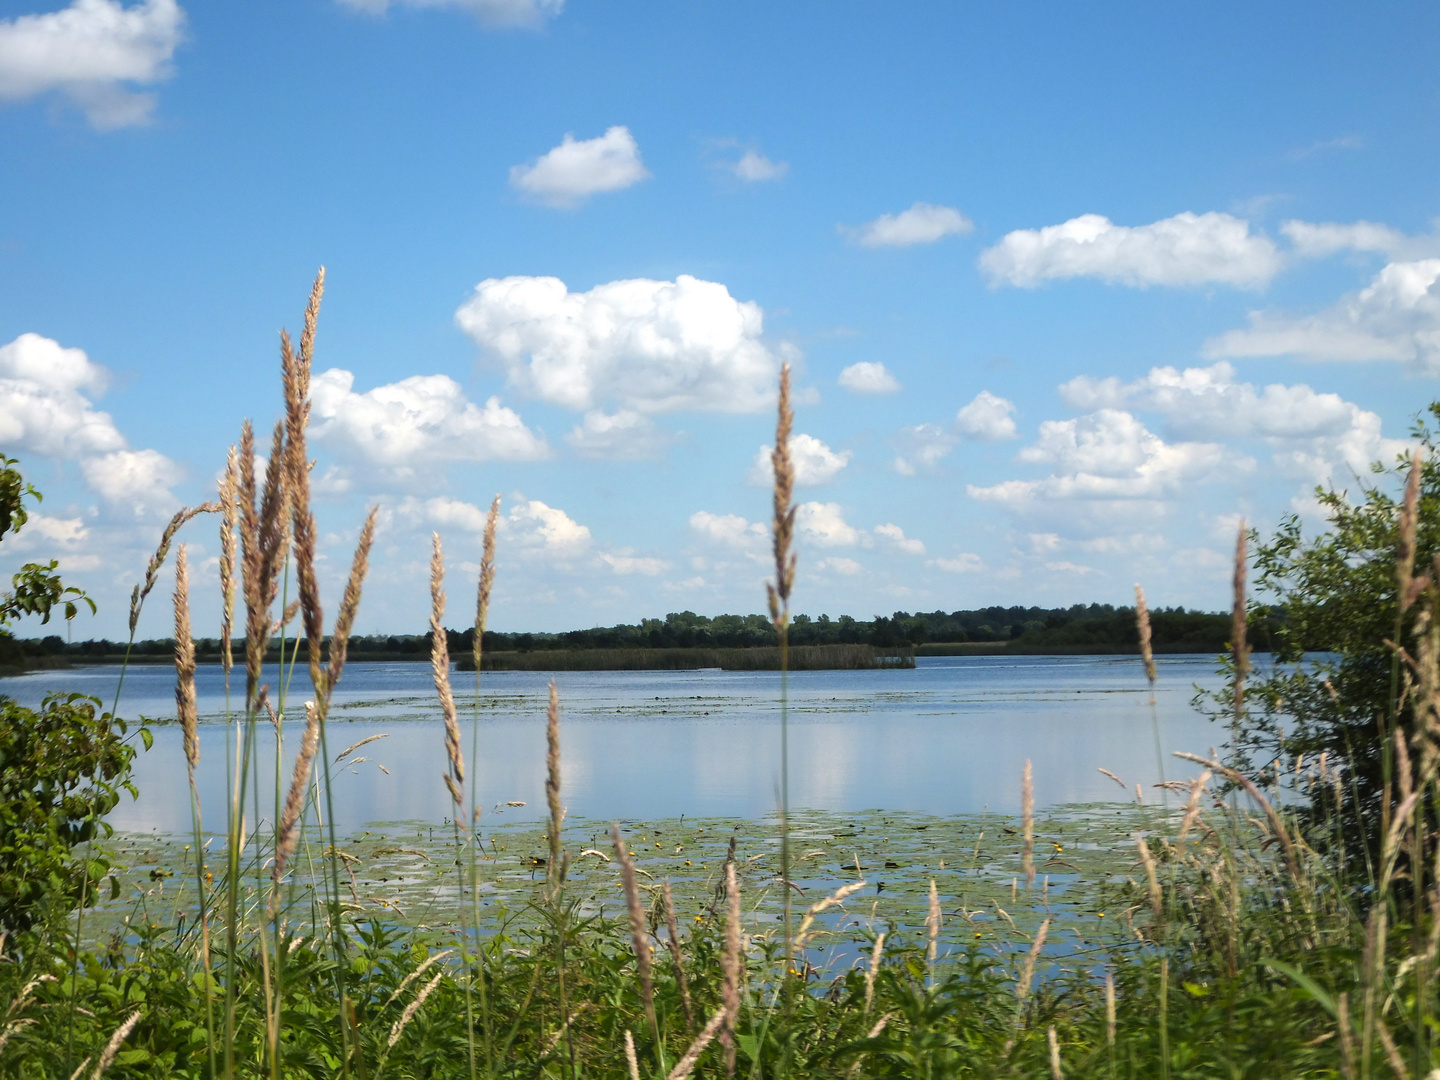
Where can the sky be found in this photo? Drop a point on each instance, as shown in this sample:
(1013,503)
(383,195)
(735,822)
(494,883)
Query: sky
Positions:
(1067,291)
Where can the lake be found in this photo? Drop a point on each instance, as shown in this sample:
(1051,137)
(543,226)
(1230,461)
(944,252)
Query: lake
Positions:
(949,737)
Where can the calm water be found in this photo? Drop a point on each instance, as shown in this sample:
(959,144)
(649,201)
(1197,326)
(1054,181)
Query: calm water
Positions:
(950,736)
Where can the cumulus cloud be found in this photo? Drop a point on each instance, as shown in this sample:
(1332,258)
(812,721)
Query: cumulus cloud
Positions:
(135,480)
(824,524)
(1315,241)
(1106,455)
(728,530)
(43,404)
(93,53)
(490,12)
(815,463)
(896,535)
(1395,317)
(869,377)
(964,563)
(577,169)
(988,418)
(1310,433)
(625,562)
(923,223)
(45,410)
(536,527)
(1187,249)
(922,447)
(619,436)
(754,167)
(838,564)
(404,426)
(648,346)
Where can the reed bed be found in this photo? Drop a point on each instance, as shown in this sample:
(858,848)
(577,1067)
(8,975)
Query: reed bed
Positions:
(1233,936)
(754,658)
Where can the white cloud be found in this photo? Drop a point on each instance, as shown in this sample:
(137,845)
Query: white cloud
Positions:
(869,377)
(535,527)
(1315,241)
(623,562)
(43,407)
(1187,249)
(922,447)
(620,436)
(1106,455)
(1395,317)
(729,530)
(651,346)
(923,223)
(1069,568)
(754,167)
(824,524)
(490,12)
(453,512)
(815,463)
(896,535)
(840,565)
(137,480)
(987,418)
(414,423)
(575,170)
(964,563)
(92,52)
(43,531)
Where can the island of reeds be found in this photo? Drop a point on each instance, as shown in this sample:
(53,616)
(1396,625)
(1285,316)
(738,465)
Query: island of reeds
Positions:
(1276,914)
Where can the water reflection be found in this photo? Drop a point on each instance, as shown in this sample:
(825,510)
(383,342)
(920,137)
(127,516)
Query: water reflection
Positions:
(947,737)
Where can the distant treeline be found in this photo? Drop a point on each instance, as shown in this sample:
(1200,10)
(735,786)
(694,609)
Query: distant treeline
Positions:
(1082,628)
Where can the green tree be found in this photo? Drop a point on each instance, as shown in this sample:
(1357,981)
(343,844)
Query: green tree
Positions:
(1335,687)
(62,768)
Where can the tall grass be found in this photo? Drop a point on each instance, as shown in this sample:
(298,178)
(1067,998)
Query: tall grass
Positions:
(1244,940)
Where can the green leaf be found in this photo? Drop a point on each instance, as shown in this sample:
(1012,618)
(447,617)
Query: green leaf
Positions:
(147,737)
(1309,985)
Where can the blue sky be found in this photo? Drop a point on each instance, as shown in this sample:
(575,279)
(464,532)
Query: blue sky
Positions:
(1066,291)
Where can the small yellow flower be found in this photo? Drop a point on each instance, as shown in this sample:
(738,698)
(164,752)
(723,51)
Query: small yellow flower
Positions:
(1102,914)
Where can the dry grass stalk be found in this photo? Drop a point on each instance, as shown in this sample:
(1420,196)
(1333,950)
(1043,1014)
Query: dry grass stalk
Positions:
(1373,967)
(1239,649)
(839,896)
(1054,1040)
(185,709)
(730,969)
(440,669)
(229,492)
(1405,542)
(350,603)
(552,786)
(1347,1035)
(1276,825)
(356,746)
(1110,1008)
(640,939)
(157,560)
(107,1056)
(1392,1052)
(1112,776)
(1152,879)
(1027,825)
(431,960)
(631,1061)
(1403,771)
(289,834)
(875,956)
(1022,987)
(263,529)
(398,1028)
(783,525)
(932,928)
(1192,806)
(295,377)
(672,932)
(1142,623)
(487,579)
(684,1066)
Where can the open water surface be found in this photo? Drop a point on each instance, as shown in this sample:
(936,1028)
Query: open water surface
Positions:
(949,737)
